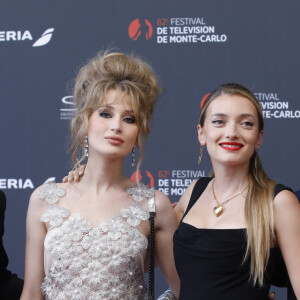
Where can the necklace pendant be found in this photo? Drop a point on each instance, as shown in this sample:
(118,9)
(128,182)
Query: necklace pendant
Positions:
(218,210)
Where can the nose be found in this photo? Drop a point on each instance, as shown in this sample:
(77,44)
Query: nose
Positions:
(116,124)
(231,130)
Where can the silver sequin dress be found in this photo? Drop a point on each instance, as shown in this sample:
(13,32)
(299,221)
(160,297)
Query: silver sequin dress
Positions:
(86,263)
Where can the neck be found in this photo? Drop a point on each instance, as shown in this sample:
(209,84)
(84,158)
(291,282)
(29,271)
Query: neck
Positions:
(102,174)
(230,180)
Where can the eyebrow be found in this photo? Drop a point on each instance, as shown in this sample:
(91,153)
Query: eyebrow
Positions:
(111,107)
(224,115)
(218,115)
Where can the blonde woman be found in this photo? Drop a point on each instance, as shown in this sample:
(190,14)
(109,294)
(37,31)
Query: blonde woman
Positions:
(89,239)
(232,223)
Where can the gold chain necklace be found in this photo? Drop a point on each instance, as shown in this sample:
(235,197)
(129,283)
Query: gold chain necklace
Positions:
(219,209)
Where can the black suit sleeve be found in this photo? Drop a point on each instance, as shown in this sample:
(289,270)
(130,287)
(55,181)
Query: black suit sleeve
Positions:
(3,256)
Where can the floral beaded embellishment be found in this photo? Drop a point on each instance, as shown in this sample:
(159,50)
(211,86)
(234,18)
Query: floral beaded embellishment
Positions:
(75,227)
(54,215)
(95,263)
(51,193)
(134,214)
(140,192)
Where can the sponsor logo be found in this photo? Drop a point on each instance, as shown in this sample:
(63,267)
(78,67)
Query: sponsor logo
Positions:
(25,35)
(68,110)
(273,107)
(170,182)
(7,36)
(20,183)
(144,177)
(50,179)
(140,29)
(14,183)
(45,38)
(185,30)
(175,182)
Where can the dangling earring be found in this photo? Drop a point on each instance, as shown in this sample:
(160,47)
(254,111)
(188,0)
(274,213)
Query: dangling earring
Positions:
(200,154)
(86,146)
(132,157)
(256,161)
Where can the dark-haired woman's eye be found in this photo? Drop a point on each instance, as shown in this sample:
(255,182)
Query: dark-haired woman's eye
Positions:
(248,124)
(218,122)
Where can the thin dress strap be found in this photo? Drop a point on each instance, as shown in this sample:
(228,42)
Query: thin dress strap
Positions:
(151,203)
(280,187)
(198,189)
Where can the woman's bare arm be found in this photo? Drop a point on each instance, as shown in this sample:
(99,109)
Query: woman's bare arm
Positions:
(181,207)
(287,229)
(165,226)
(34,257)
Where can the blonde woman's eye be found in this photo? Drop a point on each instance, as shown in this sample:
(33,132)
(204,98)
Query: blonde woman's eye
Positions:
(104,114)
(129,120)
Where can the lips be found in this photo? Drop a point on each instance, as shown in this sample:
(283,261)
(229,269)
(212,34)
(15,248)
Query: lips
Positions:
(231,146)
(114,140)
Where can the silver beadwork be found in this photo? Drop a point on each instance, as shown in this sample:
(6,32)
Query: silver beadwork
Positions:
(86,146)
(97,263)
(132,157)
(167,295)
(54,215)
(134,214)
(50,192)
(140,192)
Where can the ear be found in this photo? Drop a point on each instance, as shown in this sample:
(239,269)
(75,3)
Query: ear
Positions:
(259,140)
(201,136)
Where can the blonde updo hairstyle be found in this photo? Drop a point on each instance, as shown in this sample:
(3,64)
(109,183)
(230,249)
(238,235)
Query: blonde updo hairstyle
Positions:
(259,199)
(120,72)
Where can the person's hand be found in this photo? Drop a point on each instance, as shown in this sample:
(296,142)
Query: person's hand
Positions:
(271,296)
(75,175)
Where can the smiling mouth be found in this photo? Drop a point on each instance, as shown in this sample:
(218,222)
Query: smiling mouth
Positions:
(231,146)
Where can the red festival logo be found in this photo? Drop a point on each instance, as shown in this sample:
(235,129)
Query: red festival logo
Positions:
(148,179)
(139,28)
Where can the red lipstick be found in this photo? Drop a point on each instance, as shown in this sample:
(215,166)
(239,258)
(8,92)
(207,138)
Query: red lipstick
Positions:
(231,146)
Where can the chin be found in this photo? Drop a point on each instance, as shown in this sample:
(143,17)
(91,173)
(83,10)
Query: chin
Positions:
(236,163)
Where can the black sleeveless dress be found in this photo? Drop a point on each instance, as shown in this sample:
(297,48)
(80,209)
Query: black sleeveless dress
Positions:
(209,261)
